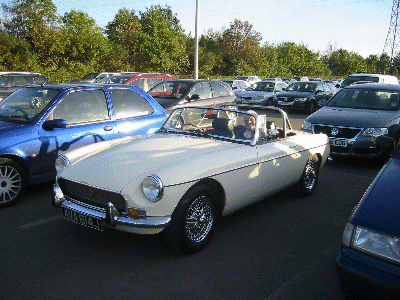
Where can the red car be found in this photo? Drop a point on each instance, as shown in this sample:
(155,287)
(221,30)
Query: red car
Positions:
(144,80)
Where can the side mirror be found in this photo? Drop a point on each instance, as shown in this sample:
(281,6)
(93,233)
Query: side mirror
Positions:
(56,123)
(195,97)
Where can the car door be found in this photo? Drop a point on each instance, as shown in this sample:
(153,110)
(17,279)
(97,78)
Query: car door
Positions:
(88,121)
(221,94)
(280,159)
(204,92)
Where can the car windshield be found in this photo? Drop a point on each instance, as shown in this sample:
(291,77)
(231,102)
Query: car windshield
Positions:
(229,82)
(366,99)
(26,104)
(301,87)
(262,86)
(114,79)
(212,122)
(171,89)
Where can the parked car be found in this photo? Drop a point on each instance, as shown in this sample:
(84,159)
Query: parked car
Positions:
(38,123)
(330,90)
(249,79)
(368,262)
(355,117)
(273,79)
(205,162)
(236,85)
(144,80)
(12,81)
(182,92)
(93,77)
(262,93)
(368,77)
(300,95)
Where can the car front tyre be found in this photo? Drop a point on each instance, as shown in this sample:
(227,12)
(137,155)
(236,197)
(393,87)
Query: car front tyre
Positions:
(12,182)
(193,221)
(308,181)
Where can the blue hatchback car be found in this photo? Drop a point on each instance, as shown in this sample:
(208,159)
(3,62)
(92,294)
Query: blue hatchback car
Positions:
(38,123)
(368,262)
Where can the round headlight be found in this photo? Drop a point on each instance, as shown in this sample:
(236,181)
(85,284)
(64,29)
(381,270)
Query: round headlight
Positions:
(152,188)
(62,162)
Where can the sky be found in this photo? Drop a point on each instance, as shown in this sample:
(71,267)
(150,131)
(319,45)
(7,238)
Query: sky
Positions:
(359,26)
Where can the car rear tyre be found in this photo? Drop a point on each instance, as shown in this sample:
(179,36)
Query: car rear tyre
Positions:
(193,221)
(12,182)
(308,181)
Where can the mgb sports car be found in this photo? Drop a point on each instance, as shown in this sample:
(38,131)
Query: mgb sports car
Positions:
(204,163)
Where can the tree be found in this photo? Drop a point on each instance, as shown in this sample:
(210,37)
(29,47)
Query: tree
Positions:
(342,63)
(24,16)
(124,33)
(240,48)
(16,54)
(162,42)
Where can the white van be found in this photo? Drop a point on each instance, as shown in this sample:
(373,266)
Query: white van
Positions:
(368,77)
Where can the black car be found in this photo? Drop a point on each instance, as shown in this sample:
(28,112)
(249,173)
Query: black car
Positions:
(12,81)
(182,92)
(355,117)
(301,95)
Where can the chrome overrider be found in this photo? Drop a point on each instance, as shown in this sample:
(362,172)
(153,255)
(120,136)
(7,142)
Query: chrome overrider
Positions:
(110,216)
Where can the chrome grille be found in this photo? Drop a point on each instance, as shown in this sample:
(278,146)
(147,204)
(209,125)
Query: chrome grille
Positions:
(342,132)
(91,195)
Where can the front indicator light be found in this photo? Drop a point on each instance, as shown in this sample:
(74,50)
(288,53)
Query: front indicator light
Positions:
(62,162)
(137,213)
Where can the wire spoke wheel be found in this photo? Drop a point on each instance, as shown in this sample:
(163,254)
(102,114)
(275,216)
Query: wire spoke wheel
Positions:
(199,219)
(310,175)
(10,183)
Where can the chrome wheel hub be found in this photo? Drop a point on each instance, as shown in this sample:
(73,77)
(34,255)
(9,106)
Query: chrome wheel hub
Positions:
(310,176)
(199,220)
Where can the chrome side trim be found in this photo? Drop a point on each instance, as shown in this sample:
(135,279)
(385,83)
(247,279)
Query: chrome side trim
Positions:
(123,220)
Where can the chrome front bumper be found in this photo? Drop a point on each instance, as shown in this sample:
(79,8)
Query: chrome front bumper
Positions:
(110,216)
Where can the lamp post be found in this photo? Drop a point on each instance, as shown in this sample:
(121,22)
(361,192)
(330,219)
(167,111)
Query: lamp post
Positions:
(196,44)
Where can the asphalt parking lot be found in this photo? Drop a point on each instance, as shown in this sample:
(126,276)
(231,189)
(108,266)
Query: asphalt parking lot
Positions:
(280,248)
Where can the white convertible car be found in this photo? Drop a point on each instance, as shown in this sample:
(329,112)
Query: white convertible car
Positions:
(205,162)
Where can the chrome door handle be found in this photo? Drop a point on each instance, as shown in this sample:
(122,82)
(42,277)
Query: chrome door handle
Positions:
(108,128)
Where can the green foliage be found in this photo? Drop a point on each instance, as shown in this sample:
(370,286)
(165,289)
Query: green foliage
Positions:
(342,63)
(35,38)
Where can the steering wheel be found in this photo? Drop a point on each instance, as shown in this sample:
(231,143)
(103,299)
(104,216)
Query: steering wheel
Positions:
(20,109)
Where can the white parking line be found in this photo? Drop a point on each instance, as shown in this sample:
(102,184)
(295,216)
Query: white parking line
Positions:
(39,222)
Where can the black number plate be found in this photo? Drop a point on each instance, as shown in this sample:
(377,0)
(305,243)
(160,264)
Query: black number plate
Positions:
(82,219)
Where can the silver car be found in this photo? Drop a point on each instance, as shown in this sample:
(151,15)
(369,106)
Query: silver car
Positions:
(261,93)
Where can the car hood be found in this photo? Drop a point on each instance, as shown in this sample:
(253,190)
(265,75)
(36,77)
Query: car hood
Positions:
(288,94)
(115,167)
(350,117)
(380,208)
(254,94)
